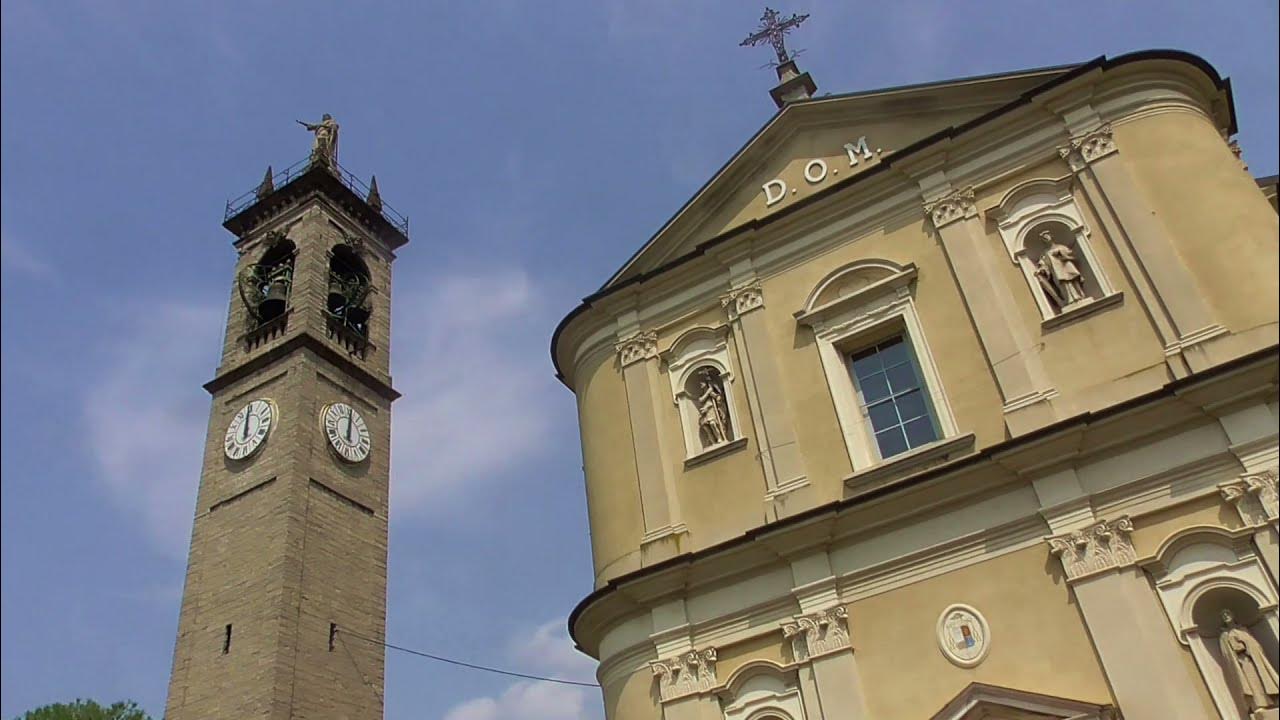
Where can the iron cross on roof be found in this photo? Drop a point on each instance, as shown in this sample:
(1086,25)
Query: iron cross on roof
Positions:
(773,30)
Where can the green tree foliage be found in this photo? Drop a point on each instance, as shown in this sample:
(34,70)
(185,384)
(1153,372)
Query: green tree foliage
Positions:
(87,710)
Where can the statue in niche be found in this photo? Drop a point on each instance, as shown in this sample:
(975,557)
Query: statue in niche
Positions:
(324,150)
(1246,661)
(1058,274)
(713,412)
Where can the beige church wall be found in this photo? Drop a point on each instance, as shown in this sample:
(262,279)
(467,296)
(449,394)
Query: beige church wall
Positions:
(767,647)
(608,459)
(1149,531)
(721,498)
(1038,640)
(632,697)
(1083,362)
(948,330)
(1221,224)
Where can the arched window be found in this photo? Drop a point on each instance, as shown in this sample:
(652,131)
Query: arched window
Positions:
(349,289)
(265,285)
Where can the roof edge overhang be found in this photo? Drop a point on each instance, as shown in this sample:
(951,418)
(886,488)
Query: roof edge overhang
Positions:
(1197,389)
(1068,74)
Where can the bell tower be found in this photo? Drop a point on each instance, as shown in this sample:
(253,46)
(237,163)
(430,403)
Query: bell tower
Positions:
(288,555)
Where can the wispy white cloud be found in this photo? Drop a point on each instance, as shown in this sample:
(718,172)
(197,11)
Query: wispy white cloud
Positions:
(145,417)
(475,405)
(545,650)
(17,256)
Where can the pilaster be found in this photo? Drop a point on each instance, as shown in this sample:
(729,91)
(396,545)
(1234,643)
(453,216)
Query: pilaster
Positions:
(788,489)
(1254,497)
(1138,653)
(638,358)
(1165,285)
(819,642)
(1010,350)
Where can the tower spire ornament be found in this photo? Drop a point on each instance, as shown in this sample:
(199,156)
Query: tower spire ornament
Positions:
(792,84)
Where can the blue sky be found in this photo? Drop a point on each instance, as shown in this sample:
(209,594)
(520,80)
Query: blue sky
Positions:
(535,146)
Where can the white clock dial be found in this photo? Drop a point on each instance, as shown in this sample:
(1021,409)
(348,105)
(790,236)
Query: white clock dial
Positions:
(249,429)
(346,430)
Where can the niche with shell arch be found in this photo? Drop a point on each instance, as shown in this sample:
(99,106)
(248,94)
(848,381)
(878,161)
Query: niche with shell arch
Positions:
(702,389)
(1046,237)
(1201,571)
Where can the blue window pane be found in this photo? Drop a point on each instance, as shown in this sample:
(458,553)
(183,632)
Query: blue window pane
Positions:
(902,377)
(891,442)
(874,387)
(920,432)
(911,405)
(866,364)
(893,352)
(883,415)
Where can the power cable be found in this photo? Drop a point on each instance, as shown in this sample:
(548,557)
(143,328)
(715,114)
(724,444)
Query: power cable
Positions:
(460,663)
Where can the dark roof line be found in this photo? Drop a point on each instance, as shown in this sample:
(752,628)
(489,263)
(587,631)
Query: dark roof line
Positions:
(1101,62)
(1169,389)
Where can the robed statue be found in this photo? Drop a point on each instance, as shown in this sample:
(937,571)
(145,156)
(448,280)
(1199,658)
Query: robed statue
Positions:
(713,415)
(1058,273)
(324,150)
(1246,662)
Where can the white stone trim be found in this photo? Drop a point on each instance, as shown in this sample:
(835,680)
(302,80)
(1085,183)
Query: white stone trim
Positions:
(687,674)
(637,348)
(1192,563)
(743,300)
(837,323)
(695,349)
(1098,548)
(984,635)
(1254,496)
(951,207)
(818,633)
(763,690)
(1027,207)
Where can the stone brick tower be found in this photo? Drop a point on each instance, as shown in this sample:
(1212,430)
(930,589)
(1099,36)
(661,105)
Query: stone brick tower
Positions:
(289,548)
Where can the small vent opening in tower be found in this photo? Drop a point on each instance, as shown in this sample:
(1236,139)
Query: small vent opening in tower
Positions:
(226,640)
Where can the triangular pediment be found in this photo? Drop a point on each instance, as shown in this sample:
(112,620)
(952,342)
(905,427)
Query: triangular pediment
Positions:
(810,146)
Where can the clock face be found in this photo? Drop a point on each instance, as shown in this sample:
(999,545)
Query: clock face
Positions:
(249,429)
(346,430)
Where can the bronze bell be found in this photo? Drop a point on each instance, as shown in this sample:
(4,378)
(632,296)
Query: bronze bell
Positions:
(337,295)
(276,299)
(357,315)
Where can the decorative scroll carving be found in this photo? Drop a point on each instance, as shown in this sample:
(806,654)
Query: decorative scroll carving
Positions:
(1088,147)
(687,674)
(952,207)
(640,346)
(1254,496)
(817,633)
(1102,546)
(743,300)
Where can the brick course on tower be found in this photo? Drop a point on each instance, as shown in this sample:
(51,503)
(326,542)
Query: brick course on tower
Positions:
(290,542)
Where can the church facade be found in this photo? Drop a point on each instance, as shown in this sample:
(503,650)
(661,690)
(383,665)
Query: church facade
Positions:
(948,401)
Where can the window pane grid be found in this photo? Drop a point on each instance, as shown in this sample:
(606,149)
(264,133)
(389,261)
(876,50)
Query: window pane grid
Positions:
(895,402)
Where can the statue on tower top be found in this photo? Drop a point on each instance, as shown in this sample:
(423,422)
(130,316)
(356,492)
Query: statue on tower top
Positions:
(325,148)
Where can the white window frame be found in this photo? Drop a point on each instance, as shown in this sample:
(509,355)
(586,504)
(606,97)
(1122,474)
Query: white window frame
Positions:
(760,690)
(1030,205)
(695,349)
(866,313)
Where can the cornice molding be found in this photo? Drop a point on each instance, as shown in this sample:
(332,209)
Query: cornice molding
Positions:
(1100,547)
(303,341)
(686,674)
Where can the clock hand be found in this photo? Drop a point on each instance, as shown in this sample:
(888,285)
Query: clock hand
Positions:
(244,428)
(350,422)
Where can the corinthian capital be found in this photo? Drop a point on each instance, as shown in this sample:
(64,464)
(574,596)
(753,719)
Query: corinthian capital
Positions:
(1099,547)
(1254,496)
(817,633)
(1084,149)
(640,346)
(743,300)
(686,674)
(951,207)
